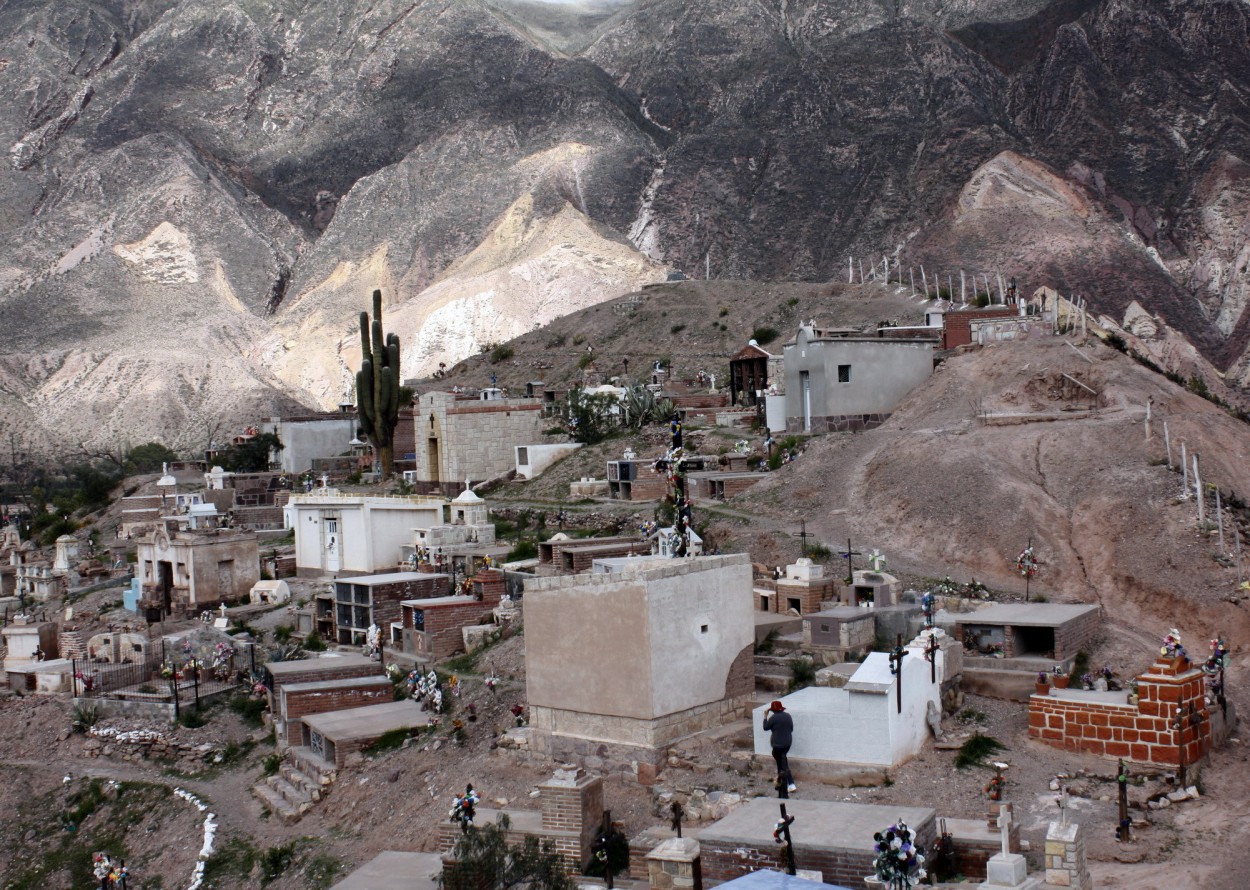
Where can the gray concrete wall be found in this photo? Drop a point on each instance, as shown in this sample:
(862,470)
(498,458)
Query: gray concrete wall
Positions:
(304,440)
(882,373)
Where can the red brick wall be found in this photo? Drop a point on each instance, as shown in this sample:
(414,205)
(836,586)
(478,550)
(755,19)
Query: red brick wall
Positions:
(305,703)
(443,623)
(334,673)
(809,594)
(1143,732)
(958,324)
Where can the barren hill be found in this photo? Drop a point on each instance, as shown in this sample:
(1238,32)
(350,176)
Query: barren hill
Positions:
(998,448)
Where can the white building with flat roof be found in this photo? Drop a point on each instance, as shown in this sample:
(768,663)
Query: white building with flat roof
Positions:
(357,534)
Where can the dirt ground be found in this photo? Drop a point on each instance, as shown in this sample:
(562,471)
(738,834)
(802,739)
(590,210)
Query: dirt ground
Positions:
(936,489)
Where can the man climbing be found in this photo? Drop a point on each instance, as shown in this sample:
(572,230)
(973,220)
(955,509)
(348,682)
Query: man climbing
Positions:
(781,725)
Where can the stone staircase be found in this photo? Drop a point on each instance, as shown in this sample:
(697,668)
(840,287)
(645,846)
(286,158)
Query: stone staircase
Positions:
(302,779)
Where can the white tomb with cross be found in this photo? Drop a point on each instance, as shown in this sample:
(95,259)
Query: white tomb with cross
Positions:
(860,723)
(1007,869)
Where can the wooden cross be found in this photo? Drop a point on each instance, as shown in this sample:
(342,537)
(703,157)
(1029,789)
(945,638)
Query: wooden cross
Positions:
(850,565)
(803,535)
(786,820)
(930,655)
(896,667)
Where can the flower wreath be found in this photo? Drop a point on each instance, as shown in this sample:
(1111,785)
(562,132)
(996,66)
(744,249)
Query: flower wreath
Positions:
(1026,563)
(899,863)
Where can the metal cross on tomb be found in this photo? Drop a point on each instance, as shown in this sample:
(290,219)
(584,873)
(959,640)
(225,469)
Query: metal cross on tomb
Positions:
(803,535)
(930,655)
(850,565)
(678,815)
(896,667)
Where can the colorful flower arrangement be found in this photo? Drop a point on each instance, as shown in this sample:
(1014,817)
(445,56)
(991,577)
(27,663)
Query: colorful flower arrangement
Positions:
(779,829)
(464,808)
(1026,563)
(900,862)
(1172,647)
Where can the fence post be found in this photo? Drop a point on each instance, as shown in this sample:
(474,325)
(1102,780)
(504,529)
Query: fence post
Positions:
(251,651)
(173,685)
(73,677)
(196,685)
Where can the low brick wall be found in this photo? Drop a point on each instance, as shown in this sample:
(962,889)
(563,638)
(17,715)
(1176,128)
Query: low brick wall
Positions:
(305,702)
(1141,732)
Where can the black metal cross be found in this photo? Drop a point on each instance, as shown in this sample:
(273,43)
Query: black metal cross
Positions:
(896,667)
(803,535)
(930,655)
(1122,832)
(786,821)
(850,565)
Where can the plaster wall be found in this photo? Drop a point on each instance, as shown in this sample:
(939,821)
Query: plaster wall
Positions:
(637,645)
(304,439)
(846,725)
(371,530)
(882,373)
(540,457)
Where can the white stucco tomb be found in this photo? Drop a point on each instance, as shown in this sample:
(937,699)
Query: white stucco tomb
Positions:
(860,723)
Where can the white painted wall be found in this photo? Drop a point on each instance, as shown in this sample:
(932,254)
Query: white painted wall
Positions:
(371,530)
(859,723)
(542,456)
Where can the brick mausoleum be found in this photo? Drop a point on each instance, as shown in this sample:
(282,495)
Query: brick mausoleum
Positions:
(1109,724)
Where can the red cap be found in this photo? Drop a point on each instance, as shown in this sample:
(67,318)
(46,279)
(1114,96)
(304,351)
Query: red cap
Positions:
(776,706)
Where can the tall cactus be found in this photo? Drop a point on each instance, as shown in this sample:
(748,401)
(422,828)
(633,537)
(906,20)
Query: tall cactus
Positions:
(377,385)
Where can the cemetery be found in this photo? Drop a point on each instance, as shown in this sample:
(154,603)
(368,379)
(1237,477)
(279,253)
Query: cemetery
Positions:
(615,689)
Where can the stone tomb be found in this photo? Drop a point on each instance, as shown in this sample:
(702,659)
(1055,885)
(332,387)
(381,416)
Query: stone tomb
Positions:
(1051,631)
(621,664)
(831,837)
(118,648)
(843,631)
(269,592)
(334,735)
(571,816)
(24,636)
(870,589)
(859,724)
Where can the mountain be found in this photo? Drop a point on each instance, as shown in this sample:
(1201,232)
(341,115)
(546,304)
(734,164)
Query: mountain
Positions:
(199,197)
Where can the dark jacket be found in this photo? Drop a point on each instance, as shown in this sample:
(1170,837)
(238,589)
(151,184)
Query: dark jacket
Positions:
(781,725)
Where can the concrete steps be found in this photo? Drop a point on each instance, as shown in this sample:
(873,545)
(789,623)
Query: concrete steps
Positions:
(276,804)
(301,781)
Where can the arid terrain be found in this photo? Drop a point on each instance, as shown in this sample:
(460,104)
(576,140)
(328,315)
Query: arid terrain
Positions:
(947,487)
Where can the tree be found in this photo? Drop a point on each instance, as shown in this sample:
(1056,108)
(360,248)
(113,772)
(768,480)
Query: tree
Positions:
(148,458)
(250,455)
(590,415)
(485,859)
(377,385)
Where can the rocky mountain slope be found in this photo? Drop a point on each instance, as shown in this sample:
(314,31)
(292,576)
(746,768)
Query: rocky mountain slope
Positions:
(198,197)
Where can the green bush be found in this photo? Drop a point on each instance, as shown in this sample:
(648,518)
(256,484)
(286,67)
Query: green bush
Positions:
(974,751)
(555,341)
(314,643)
(275,861)
(523,550)
(802,673)
(763,335)
(677,329)
(250,709)
(192,718)
(501,353)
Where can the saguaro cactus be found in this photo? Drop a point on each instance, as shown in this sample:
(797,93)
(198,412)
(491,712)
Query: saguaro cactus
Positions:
(377,385)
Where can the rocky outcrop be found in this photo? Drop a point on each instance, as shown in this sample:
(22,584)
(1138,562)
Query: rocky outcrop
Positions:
(240,176)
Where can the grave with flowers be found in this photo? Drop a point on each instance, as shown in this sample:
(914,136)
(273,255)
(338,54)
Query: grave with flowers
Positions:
(836,839)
